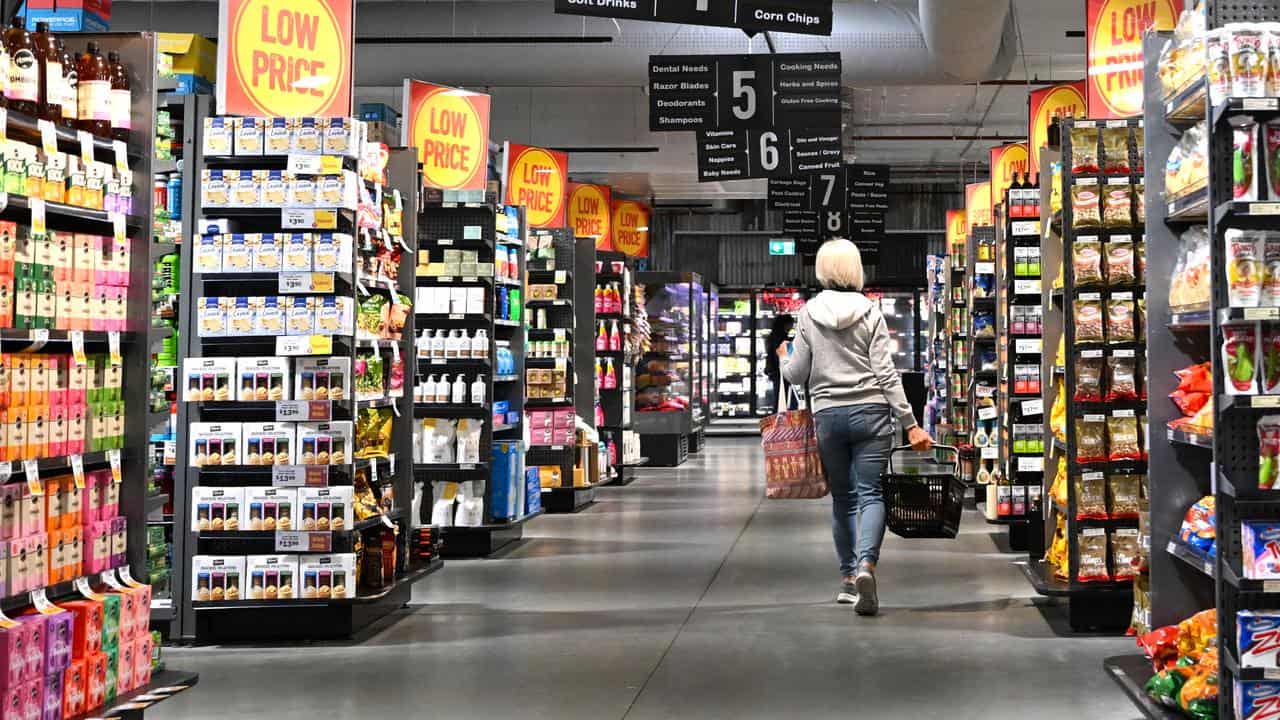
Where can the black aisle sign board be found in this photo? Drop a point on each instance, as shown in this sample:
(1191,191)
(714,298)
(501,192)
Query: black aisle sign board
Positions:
(742,154)
(849,202)
(868,199)
(790,193)
(800,224)
(706,92)
(810,17)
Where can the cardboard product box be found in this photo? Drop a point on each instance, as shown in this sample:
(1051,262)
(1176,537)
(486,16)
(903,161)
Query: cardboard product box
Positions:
(327,508)
(532,490)
(333,252)
(125,662)
(272,577)
(330,443)
(217,578)
(300,315)
(208,379)
(268,252)
(271,508)
(35,645)
(57,644)
(51,696)
(237,253)
(342,137)
(249,136)
(113,663)
(328,576)
(301,192)
(270,316)
(86,627)
(207,253)
(277,136)
(214,444)
(297,252)
(13,655)
(216,509)
(308,136)
(262,378)
(74,689)
(96,680)
(268,443)
(33,697)
(212,313)
(322,378)
(195,65)
(142,659)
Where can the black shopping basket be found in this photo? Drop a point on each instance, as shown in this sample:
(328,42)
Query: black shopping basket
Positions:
(926,503)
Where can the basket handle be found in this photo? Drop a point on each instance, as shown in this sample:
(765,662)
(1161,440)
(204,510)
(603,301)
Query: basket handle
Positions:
(937,446)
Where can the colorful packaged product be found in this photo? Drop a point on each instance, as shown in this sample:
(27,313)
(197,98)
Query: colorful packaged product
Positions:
(1260,541)
(1258,638)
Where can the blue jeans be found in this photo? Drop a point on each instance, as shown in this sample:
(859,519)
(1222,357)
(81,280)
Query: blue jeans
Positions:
(854,441)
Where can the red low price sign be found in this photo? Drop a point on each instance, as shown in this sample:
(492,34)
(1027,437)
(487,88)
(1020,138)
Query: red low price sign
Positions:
(450,128)
(1114,32)
(590,214)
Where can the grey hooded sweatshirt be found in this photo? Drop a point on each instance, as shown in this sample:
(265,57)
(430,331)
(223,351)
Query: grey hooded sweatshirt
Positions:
(842,352)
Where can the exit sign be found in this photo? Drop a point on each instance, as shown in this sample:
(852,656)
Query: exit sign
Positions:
(782,247)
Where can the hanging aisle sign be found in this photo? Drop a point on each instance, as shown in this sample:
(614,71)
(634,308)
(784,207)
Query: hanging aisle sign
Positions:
(977,205)
(1113,40)
(630,228)
(704,92)
(809,17)
(1046,104)
(538,180)
(957,230)
(285,58)
(741,154)
(1007,162)
(450,129)
(590,213)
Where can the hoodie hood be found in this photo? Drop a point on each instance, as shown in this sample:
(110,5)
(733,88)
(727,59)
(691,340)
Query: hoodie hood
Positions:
(838,310)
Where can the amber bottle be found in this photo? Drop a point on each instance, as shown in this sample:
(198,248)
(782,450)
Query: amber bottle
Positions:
(49,60)
(93,86)
(24,71)
(121,98)
(70,101)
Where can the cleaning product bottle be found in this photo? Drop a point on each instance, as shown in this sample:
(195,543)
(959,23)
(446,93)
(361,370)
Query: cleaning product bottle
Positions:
(599,375)
(438,342)
(478,391)
(459,394)
(610,377)
(602,339)
(984,477)
(615,337)
(442,390)
(480,344)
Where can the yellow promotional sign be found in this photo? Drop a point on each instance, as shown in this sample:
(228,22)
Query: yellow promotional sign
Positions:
(957,231)
(450,129)
(1045,105)
(977,205)
(1114,30)
(590,214)
(631,228)
(285,58)
(537,179)
(1008,163)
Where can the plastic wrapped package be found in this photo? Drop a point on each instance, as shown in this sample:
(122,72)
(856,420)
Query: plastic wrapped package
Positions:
(1087,262)
(1269,373)
(1244,250)
(1122,438)
(1089,385)
(1121,263)
(1121,319)
(1199,528)
(1124,495)
(1091,439)
(1122,378)
(1091,496)
(1086,207)
(1190,284)
(1244,158)
(1084,149)
(1091,544)
(1089,319)
(1126,556)
(1239,357)
(1115,150)
(1268,452)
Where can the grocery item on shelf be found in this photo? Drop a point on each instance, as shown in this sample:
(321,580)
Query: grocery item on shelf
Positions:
(1190,285)
(1187,169)
(1198,532)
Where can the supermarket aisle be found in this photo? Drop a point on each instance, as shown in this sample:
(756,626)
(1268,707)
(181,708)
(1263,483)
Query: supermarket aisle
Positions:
(684,596)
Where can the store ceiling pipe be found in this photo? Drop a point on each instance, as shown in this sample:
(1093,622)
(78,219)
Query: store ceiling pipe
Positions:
(969,40)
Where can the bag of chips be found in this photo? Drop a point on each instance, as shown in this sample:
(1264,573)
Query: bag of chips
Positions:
(1199,528)
(1160,646)
(1123,495)
(1084,150)
(1092,558)
(1091,496)
(1121,322)
(1198,633)
(1091,439)
(1086,207)
(1126,555)
(1086,262)
(1089,380)
(1198,698)
(1088,320)
(1122,438)
(1239,357)
(1269,452)
(1115,151)
(1122,378)
(1121,265)
(373,432)
(1117,210)
(1165,686)
(1140,203)
(1270,371)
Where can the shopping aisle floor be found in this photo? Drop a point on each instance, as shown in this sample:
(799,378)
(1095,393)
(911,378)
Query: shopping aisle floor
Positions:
(685,596)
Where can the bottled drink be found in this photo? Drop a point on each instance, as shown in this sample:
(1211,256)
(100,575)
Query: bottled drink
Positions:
(70,101)
(121,99)
(94,92)
(49,78)
(24,72)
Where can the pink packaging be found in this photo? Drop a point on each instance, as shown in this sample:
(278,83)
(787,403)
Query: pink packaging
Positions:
(142,660)
(128,618)
(143,608)
(52,697)
(38,561)
(110,495)
(125,663)
(32,699)
(57,644)
(102,272)
(9,496)
(90,500)
(96,543)
(564,419)
(35,645)
(16,563)
(539,419)
(32,514)
(119,540)
(13,653)
(13,697)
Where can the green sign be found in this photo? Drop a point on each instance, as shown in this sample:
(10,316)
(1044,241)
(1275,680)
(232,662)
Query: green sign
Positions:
(782,247)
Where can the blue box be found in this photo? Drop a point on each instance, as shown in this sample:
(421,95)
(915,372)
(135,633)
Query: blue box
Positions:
(500,407)
(67,19)
(532,491)
(513,417)
(504,481)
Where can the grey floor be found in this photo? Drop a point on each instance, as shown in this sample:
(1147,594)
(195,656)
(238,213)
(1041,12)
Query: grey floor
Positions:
(685,596)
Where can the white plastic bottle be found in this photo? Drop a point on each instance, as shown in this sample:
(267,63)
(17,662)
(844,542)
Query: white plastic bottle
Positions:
(442,390)
(451,345)
(459,394)
(422,346)
(480,344)
(438,342)
(464,345)
(478,391)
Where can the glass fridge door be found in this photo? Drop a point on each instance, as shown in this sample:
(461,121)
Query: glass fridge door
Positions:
(734,353)
(664,375)
(771,304)
(899,310)
(698,297)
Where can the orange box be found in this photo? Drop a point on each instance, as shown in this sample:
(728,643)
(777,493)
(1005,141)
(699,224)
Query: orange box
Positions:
(6,300)
(37,431)
(16,434)
(19,379)
(37,379)
(84,255)
(73,689)
(95,680)
(8,242)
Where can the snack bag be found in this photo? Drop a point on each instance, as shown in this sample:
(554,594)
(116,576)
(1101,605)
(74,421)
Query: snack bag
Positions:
(1122,438)
(1247,46)
(1086,207)
(373,432)
(1121,265)
(1257,632)
(1091,439)
(1239,353)
(1198,632)
(1219,64)
(1117,210)
(1122,378)
(1126,556)
(1160,646)
(1092,545)
(1084,150)
(1270,373)
(1140,203)
(1268,452)
(1121,319)
(1086,262)
(1199,528)
(1088,318)
(1088,380)
(1091,496)
(1198,698)
(1122,496)
(1244,267)
(1244,159)
(1261,544)
(1115,151)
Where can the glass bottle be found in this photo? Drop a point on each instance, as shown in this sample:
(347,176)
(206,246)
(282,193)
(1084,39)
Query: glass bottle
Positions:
(70,101)
(49,63)
(94,92)
(23,91)
(121,99)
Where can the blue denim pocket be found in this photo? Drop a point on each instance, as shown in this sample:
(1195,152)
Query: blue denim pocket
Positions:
(869,421)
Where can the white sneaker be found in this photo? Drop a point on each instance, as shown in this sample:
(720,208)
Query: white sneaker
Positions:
(848,594)
(867,603)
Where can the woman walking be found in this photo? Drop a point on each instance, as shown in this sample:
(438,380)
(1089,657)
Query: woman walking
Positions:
(842,353)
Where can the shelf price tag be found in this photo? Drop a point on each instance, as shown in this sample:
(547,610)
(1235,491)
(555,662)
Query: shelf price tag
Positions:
(113,457)
(314,164)
(1259,208)
(1265,401)
(303,541)
(40,601)
(300,475)
(32,470)
(109,579)
(48,137)
(77,347)
(984,268)
(1271,586)
(86,147)
(1030,464)
(306,282)
(1026,287)
(990,453)
(987,413)
(77,470)
(297,218)
(122,155)
(113,348)
(304,345)
(82,586)
(303,410)
(373,472)
(1262,313)
(1028,346)
(1032,407)
(118,227)
(1029,228)
(38,225)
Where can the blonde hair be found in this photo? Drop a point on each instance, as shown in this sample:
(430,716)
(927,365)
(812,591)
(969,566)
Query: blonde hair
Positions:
(839,265)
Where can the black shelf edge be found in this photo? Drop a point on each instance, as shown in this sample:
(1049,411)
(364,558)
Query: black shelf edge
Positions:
(1192,207)
(1253,106)
(1131,673)
(1183,437)
(408,578)
(1186,555)
(489,527)
(1188,106)
(421,410)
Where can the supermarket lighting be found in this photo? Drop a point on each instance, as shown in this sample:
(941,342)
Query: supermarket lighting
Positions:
(643,228)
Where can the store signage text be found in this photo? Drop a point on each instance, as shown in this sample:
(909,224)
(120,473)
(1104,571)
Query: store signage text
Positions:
(450,129)
(741,154)
(631,228)
(977,205)
(288,59)
(1114,30)
(537,179)
(1047,104)
(590,213)
(810,17)
(704,92)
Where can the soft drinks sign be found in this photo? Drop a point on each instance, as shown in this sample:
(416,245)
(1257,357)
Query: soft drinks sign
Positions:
(590,214)
(450,129)
(285,58)
(537,179)
(1114,42)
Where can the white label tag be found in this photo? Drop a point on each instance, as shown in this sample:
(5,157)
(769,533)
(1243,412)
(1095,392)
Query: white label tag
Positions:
(1258,104)
(1122,238)
(1270,673)
(48,137)
(1122,413)
(984,268)
(291,541)
(1091,296)
(82,586)
(1269,208)
(561,277)
(297,218)
(1026,287)
(305,164)
(1028,346)
(990,453)
(113,348)
(32,470)
(118,227)
(373,472)
(1265,401)
(300,475)
(1032,407)
(40,601)
(1092,476)
(1092,418)
(126,576)
(122,155)
(1262,313)
(1270,586)
(1121,296)
(1123,352)
(113,457)
(77,470)
(86,147)
(1087,181)
(987,413)
(1030,464)
(1030,228)
(38,225)
(77,347)
(1090,353)
(109,579)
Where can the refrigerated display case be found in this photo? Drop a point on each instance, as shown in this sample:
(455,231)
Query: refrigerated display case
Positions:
(769,303)
(735,355)
(669,378)
(907,340)
(704,362)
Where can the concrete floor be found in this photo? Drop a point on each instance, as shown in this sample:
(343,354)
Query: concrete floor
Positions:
(684,595)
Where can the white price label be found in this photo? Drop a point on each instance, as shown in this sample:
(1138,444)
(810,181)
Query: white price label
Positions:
(32,470)
(1258,104)
(1260,208)
(1123,352)
(297,218)
(48,137)
(1122,238)
(1265,401)
(40,601)
(77,347)
(1271,673)
(1091,476)
(86,147)
(126,576)
(987,413)
(118,227)
(1030,464)
(305,164)
(289,345)
(1262,313)
(113,348)
(82,586)
(303,541)
(561,277)
(1271,586)
(1028,346)
(122,155)
(1087,181)
(109,579)
(113,457)
(1026,287)
(1094,418)
(38,225)
(1121,296)
(77,470)
(990,453)
(1030,228)
(304,410)
(373,472)
(1122,413)
(1032,407)
(1090,353)
(984,268)
(1090,296)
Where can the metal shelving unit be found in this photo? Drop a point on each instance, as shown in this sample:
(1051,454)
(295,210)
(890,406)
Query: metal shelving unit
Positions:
(983,394)
(617,404)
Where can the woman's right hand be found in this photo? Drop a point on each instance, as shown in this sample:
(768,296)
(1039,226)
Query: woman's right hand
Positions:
(919,439)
